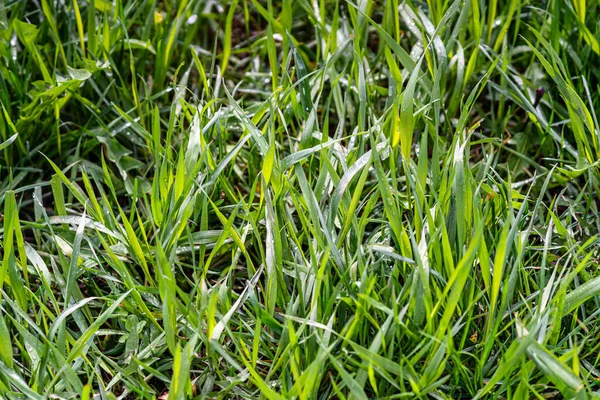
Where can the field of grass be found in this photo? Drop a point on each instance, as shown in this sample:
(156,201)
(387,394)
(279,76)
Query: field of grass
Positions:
(299,199)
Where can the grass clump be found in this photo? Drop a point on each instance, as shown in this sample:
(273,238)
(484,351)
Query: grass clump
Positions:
(294,199)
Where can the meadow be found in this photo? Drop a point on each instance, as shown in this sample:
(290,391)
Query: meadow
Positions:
(299,199)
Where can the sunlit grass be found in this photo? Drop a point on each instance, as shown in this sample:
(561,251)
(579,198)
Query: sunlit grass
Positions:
(299,199)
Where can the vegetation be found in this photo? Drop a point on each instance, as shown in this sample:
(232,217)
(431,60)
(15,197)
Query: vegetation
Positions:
(299,199)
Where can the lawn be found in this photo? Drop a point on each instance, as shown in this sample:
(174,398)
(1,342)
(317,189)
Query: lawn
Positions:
(299,199)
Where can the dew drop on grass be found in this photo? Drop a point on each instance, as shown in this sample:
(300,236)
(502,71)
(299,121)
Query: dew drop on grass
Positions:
(192,19)
(13,43)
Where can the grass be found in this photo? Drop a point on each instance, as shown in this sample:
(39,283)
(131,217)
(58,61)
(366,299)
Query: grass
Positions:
(299,199)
